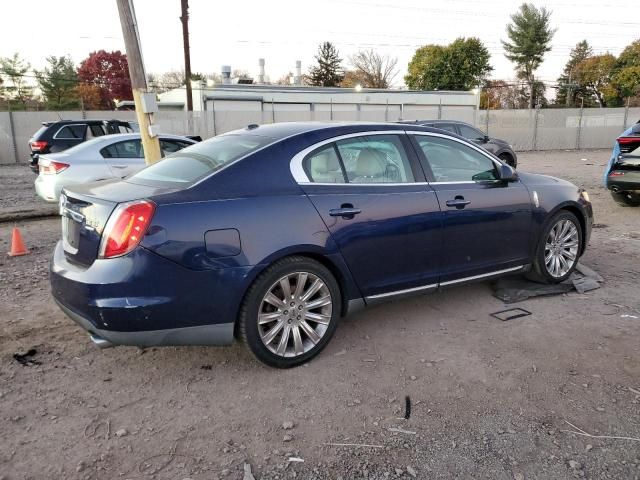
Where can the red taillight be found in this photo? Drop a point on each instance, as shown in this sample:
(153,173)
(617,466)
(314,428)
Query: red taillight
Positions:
(616,174)
(52,168)
(628,144)
(125,228)
(38,146)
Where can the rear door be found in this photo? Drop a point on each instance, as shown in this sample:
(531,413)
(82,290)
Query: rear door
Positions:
(486,222)
(124,157)
(373,198)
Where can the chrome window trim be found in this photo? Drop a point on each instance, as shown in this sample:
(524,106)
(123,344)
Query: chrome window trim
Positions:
(475,277)
(300,176)
(364,184)
(56,137)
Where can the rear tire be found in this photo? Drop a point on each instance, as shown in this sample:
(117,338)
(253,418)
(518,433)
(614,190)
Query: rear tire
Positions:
(558,249)
(626,199)
(508,159)
(290,312)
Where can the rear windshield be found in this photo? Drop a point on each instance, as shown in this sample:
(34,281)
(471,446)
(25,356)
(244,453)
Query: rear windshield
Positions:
(40,131)
(200,160)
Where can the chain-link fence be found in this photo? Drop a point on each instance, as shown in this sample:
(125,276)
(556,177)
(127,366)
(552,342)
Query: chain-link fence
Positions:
(537,129)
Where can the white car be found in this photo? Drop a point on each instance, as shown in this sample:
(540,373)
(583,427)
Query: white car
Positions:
(109,156)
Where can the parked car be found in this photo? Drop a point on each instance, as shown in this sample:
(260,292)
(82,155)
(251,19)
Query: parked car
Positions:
(274,232)
(55,137)
(108,156)
(622,175)
(499,148)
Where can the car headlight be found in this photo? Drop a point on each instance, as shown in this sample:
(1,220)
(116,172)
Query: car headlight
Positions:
(585,196)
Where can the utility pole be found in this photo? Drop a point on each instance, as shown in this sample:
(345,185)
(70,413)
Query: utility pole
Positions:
(187,56)
(144,101)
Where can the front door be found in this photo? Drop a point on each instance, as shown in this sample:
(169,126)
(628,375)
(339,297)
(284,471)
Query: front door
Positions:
(487,222)
(383,216)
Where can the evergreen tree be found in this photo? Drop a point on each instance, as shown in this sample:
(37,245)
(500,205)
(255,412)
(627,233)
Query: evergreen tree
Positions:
(529,39)
(14,72)
(328,72)
(568,88)
(58,83)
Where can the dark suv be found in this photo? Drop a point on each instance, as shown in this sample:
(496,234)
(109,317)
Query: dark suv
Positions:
(55,137)
(499,148)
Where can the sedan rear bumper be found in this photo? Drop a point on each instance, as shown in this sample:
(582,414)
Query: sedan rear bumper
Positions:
(143,299)
(625,181)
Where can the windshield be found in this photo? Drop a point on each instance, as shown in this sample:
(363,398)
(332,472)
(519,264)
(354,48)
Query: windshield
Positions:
(200,160)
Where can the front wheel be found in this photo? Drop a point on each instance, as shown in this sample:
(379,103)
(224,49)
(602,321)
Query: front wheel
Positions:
(290,312)
(558,249)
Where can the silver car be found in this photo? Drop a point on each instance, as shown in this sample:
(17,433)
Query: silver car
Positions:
(109,156)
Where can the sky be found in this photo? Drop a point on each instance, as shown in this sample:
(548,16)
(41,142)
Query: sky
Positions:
(237,33)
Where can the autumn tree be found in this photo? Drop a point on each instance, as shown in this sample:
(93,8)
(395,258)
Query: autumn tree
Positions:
(109,71)
(328,71)
(530,36)
(596,74)
(568,87)
(58,82)
(13,71)
(461,65)
(374,70)
(90,96)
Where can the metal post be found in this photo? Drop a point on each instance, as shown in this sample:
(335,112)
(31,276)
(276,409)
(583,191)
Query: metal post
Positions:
(213,113)
(534,141)
(579,132)
(330,108)
(13,135)
(312,111)
(84,113)
(386,112)
(486,119)
(273,112)
(357,111)
(626,113)
(440,110)
(401,111)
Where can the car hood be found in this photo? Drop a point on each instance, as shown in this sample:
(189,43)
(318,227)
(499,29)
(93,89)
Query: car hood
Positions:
(536,179)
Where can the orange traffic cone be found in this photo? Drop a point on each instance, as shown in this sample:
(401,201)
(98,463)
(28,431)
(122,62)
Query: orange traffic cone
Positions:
(17,245)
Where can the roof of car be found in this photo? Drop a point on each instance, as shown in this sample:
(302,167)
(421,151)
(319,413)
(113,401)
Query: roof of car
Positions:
(420,122)
(135,135)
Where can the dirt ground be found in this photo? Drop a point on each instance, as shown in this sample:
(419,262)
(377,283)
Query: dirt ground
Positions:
(489,399)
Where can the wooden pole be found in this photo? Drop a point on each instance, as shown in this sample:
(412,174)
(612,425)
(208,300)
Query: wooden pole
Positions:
(187,57)
(150,144)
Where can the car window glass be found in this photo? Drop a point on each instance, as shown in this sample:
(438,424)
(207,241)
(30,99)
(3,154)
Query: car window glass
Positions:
(323,166)
(71,132)
(126,149)
(172,146)
(95,131)
(449,127)
(470,133)
(375,159)
(200,159)
(452,161)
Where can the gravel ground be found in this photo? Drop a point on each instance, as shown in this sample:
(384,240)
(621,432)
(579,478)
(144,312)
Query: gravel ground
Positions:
(19,199)
(489,399)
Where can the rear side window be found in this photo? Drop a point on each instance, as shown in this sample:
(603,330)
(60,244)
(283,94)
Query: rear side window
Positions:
(471,133)
(200,160)
(71,132)
(449,127)
(126,149)
(323,166)
(452,161)
(95,131)
(375,159)
(172,146)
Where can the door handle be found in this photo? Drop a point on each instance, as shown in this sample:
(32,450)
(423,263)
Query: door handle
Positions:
(119,166)
(458,202)
(346,210)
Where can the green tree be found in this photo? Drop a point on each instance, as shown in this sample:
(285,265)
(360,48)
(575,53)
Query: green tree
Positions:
(461,65)
(530,38)
(328,72)
(568,88)
(596,74)
(57,82)
(627,81)
(630,56)
(13,71)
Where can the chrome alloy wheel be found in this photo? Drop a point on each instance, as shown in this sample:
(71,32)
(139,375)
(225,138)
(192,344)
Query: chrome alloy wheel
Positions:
(561,248)
(294,314)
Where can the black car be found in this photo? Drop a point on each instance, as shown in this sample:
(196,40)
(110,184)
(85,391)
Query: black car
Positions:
(57,136)
(622,175)
(499,148)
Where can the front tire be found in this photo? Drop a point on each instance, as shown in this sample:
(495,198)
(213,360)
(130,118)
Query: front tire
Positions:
(290,312)
(558,249)
(626,199)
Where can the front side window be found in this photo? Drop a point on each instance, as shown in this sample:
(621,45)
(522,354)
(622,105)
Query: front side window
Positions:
(71,132)
(452,161)
(471,133)
(200,160)
(126,149)
(375,159)
(323,166)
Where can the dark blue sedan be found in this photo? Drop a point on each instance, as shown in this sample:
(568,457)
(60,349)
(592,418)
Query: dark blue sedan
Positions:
(272,233)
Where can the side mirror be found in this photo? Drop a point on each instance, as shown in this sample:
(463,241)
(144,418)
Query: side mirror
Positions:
(486,139)
(507,173)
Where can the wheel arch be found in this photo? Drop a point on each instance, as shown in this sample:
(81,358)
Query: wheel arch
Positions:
(577,211)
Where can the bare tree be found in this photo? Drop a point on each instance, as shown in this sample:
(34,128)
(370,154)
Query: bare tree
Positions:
(376,71)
